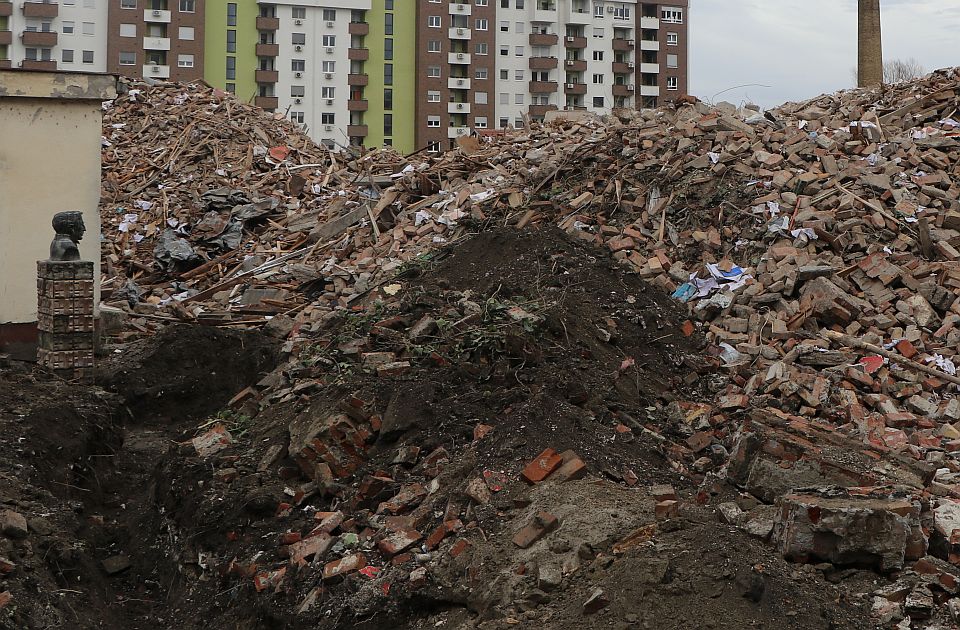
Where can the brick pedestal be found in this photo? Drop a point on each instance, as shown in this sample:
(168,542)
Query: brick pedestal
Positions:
(65,318)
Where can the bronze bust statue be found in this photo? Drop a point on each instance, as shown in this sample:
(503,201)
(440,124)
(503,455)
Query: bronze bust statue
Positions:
(69,228)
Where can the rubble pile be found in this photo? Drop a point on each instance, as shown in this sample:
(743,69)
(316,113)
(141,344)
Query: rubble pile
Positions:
(815,247)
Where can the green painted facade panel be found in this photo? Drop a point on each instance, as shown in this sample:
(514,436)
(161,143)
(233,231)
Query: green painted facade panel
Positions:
(215,46)
(404,74)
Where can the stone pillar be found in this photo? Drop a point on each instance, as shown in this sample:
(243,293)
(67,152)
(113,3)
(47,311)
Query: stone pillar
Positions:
(65,318)
(870,48)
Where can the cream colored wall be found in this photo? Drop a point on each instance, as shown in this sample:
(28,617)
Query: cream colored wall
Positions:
(49,162)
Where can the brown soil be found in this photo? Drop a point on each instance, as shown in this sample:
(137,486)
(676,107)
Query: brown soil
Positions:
(596,363)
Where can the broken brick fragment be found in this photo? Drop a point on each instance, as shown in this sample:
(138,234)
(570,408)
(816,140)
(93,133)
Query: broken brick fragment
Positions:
(539,526)
(338,569)
(542,466)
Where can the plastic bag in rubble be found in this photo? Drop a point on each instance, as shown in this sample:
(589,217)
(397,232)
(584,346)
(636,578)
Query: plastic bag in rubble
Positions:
(173,252)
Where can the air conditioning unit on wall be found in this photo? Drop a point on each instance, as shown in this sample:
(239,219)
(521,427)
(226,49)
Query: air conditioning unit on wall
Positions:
(298,22)
(297,101)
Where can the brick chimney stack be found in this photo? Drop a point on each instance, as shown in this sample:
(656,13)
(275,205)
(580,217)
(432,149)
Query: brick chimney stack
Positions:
(870,50)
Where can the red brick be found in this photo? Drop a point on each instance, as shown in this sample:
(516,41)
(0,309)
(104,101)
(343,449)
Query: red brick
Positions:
(331,522)
(401,558)
(345,566)
(667,509)
(267,579)
(663,492)
(398,542)
(459,547)
(289,538)
(315,546)
(541,525)
(480,431)
(572,468)
(5,598)
(621,244)
(444,530)
(906,348)
(540,468)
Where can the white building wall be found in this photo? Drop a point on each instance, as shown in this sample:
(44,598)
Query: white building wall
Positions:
(608,24)
(314,53)
(75,12)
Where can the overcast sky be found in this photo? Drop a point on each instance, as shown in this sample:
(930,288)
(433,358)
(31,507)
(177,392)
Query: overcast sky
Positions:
(802,48)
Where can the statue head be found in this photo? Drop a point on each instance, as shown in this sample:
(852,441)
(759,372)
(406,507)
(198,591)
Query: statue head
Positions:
(70,223)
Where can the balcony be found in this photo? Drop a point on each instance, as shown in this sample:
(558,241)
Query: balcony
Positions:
(39,38)
(267,102)
(543,87)
(358,105)
(544,39)
(650,68)
(648,44)
(575,88)
(460,8)
(36,64)
(5,64)
(458,83)
(359,28)
(156,71)
(268,50)
(357,131)
(458,108)
(156,43)
(459,57)
(579,16)
(358,79)
(650,22)
(6,38)
(268,23)
(458,33)
(620,67)
(6,8)
(358,54)
(543,63)
(457,132)
(156,15)
(571,41)
(623,45)
(649,90)
(620,89)
(539,111)
(544,15)
(41,10)
(575,65)
(266,76)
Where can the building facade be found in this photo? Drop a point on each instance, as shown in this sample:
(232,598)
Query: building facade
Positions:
(157,39)
(69,35)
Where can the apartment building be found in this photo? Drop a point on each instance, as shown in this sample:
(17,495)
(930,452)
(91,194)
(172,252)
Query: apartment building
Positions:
(390,75)
(663,66)
(456,70)
(159,39)
(68,35)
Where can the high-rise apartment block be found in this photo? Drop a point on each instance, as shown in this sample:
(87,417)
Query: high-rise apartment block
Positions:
(415,74)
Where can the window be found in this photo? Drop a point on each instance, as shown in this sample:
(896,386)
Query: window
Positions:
(329,15)
(388,74)
(298,13)
(388,24)
(66,56)
(231,14)
(598,10)
(433,21)
(328,118)
(188,6)
(480,98)
(67,27)
(673,39)
(128,59)
(504,27)
(598,55)
(483,48)
(388,98)
(504,123)
(298,38)
(504,51)
(297,91)
(231,41)
(621,12)
(480,122)
(128,4)
(504,75)
(519,28)
(433,72)
(186,33)
(388,48)
(481,73)
(673,61)
(504,98)
(598,33)
(433,96)
(298,65)
(88,28)
(598,101)
(519,50)
(184,61)
(598,79)
(433,46)
(518,75)
(329,66)
(232,88)
(88,56)
(433,147)
(30,54)
(433,121)
(327,92)
(480,3)
(673,83)
(671,15)
(519,4)
(388,124)
(329,41)
(482,24)
(296,117)
(518,99)
(504,4)
(231,68)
